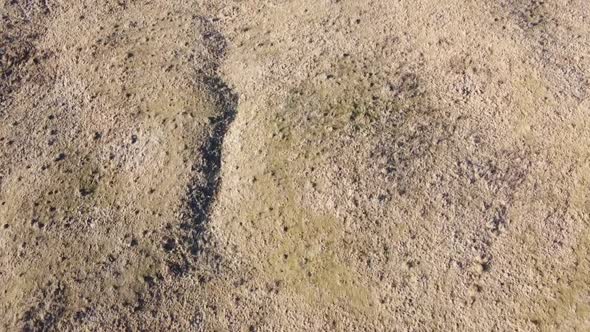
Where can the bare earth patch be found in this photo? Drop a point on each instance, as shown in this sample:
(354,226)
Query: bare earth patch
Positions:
(294,165)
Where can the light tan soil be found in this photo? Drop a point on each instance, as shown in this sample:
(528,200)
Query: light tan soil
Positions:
(331,165)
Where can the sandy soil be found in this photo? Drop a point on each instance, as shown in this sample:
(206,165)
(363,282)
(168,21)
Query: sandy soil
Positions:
(331,165)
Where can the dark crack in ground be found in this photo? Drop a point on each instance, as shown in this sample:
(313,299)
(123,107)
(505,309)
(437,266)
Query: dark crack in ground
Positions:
(203,190)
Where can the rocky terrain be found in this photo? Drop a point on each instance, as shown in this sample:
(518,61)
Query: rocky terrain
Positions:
(271,165)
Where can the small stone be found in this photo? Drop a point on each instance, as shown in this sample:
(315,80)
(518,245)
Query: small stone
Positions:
(60,157)
(478,268)
(474,290)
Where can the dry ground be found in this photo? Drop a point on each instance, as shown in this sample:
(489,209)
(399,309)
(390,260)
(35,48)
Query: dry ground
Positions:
(331,165)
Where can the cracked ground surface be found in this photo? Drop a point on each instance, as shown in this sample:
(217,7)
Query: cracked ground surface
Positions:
(330,165)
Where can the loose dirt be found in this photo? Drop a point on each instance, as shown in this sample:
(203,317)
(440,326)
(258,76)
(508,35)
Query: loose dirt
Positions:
(329,165)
